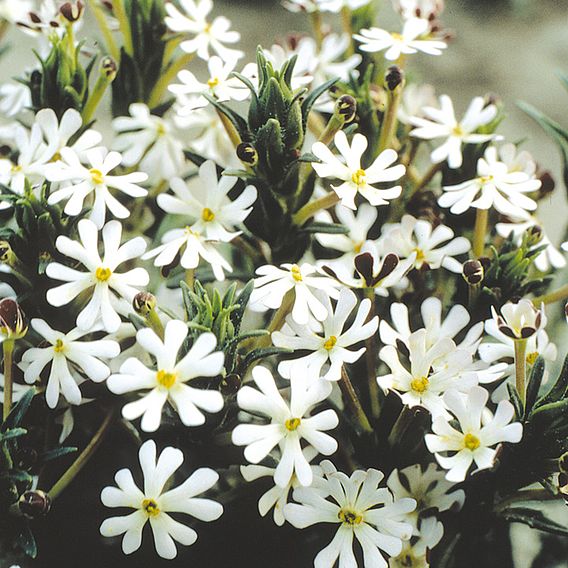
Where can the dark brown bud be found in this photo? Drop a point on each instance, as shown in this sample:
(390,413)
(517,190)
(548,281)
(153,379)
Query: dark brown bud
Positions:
(13,323)
(473,272)
(247,154)
(393,77)
(230,384)
(72,11)
(34,504)
(346,107)
(109,68)
(144,303)
(547,184)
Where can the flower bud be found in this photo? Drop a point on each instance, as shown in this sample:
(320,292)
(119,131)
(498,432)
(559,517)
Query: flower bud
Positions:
(109,68)
(144,303)
(534,235)
(346,106)
(519,320)
(34,504)
(393,77)
(473,272)
(72,11)
(13,324)
(547,184)
(563,463)
(230,384)
(247,154)
(5,252)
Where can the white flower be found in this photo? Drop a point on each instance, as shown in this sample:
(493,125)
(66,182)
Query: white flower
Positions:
(167,383)
(455,322)
(427,9)
(424,384)
(193,20)
(519,320)
(276,497)
(101,275)
(15,12)
(14,97)
(429,488)
(221,85)
(205,201)
(153,503)
(474,440)
(331,347)
(355,178)
(274,283)
(549,257)
(290,422)
(58,133)
(359,224)
(196,246)
(361,508)
(434,248)
(499,188)
(414,98)
(414,38)
(517,161)
(442,123)
(323,5)
(30,148)
(93,179)
(150,142)
(415,552)
(70,359)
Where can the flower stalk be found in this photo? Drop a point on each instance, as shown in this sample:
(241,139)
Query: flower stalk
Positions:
(105,30)
(480,231)
(167,77)
(551,297)
(8,349)
(352,400)
(310,209)
(371,358)
(521,367)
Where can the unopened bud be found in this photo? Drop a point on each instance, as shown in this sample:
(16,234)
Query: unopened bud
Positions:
(473,272)
(534,235)
(393,77)
(346,106)
(108,68)
(72,11)
(144,303)
(563,463)
(247,154)
(34,504)
(6,252)
(13,324)
(231,384)
(547,184)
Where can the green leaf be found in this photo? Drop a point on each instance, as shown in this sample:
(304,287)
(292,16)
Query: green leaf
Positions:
(311,99)
(56,453)
(535,380)
(26,541)
(262,353)
(12,433)
(328,228)
(237,121)
(559,389)
(534,519)
(516,400)
(17,476)
(17,413)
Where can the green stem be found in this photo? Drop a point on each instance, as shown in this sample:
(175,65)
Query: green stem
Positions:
(277,320)
(155,323)
(103,26)
(371,358)
(96,96)
(479,232)
(526,495)
(347,25)
(229,129)
(551,297)
(353,401)
(8,349)
(124,25)
(310,209)
(169,75)
(426,179)
(317,25)
(400,426)
(190,277)
(521,367)
(83,458)
(390,121)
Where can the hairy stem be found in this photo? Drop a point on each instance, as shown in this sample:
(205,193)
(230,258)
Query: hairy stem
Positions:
(480,232)
(310,209)
(105,30)
(551,297)
(8,349)
(371,358)
(124,25)
(352,400)
(168,76)
(521,367)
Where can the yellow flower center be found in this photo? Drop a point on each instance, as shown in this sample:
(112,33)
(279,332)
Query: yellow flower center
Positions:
(358,177)
(166,379)
(16,168)
(357,248)
(396,36)
(485,179)
(296,273)
(207,28)
(419,385)
(330,343)
(207,215)
(161,129)
(59,346)
(56,157)
(349,517)
(458,130)
(97,176)
(103,274)
(532,357)
(471,442)
(213,82)
(150,507)
(420,256)
(292,424)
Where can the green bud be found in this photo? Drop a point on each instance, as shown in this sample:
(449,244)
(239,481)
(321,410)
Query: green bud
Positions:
(144,303)
(108,68)
(534,235)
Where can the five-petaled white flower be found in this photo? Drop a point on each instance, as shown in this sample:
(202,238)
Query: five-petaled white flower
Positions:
(207,204)
(330,346)
(290,424)
(70,360)
(95,179)
(168,382)
(357,179)
(153,503)
(101,275)
(415,37)
(519,320)
(442,123)
(150,142)
(433,248)
(500,188)
(475,438)
(274,283)
(193,20)
(361,508)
